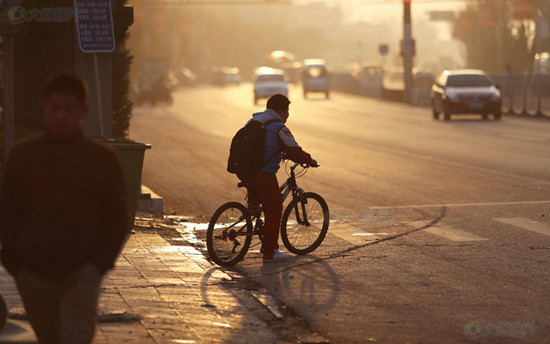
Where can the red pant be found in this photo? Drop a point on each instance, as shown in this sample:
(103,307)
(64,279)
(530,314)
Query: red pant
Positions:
(266,192)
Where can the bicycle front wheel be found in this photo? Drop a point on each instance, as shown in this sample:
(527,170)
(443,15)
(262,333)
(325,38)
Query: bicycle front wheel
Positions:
(305,223)
(229,234)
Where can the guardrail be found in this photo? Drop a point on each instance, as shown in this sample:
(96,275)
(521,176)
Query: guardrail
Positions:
(525,95)
(347,83)
(522,95)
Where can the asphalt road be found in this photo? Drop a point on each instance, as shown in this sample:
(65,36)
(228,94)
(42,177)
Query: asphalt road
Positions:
(440,230)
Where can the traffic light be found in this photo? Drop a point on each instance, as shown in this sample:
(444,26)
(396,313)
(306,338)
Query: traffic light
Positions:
(277,59)
(407,11)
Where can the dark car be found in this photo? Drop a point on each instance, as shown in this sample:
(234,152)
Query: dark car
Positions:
(465,91)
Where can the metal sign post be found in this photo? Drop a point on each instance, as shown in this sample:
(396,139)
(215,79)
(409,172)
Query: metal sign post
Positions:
(94,22)
(383,49)
(408,52)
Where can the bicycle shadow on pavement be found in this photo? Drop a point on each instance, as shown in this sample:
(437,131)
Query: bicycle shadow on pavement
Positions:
(247,313)
(306,283)
(266,303)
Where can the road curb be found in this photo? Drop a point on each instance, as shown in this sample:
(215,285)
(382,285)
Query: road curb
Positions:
(149,201)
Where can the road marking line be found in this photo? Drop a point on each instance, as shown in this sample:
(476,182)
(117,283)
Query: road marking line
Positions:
(527,224)
(453,234)
(449,232)
(355,235)
(451,205)
(369,234)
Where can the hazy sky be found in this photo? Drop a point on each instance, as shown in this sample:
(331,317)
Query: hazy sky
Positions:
(391,12)
(388,11)
(382,10)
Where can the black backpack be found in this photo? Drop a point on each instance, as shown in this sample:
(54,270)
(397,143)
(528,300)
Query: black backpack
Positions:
(247,152)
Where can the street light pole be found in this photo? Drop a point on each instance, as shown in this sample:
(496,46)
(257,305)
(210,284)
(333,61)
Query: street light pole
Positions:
(407,49)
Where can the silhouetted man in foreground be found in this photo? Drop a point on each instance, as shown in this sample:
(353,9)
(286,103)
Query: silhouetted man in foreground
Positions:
(64,216)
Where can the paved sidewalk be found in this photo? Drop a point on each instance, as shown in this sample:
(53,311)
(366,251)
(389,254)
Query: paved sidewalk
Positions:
(164,290)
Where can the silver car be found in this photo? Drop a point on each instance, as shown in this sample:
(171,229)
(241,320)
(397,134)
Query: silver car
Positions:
(315,77)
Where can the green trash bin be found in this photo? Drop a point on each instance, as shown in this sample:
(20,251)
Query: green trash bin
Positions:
(130,155)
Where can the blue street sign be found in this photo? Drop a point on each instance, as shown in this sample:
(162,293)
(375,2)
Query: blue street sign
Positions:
(94,22)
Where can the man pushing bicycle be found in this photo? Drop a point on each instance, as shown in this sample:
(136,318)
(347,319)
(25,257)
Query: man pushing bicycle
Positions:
(264,184)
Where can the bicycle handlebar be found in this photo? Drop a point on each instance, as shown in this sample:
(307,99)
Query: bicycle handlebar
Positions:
(303,166)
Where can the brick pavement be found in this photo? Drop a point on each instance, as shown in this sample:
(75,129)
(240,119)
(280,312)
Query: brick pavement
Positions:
(163,290)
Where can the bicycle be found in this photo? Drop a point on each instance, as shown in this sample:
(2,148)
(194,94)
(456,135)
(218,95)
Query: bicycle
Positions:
(304,224)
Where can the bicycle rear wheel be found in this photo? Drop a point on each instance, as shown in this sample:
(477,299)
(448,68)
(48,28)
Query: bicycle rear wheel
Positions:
(305,223)
(229,234)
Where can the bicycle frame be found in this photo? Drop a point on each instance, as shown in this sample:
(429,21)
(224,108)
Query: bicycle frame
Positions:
(288,186)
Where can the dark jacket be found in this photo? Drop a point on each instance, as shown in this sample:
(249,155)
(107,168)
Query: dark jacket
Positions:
(64,205)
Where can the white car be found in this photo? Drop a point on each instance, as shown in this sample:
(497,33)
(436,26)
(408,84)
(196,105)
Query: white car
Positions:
(269,81)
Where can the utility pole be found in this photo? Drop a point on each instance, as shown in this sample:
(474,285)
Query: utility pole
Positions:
(543,27)
(501,26)
(408,50)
